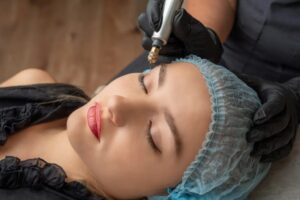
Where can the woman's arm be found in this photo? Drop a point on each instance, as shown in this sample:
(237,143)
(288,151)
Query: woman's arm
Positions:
(29,76)
(215,14)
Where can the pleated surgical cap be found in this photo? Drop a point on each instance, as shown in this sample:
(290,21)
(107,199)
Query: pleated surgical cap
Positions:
(223,168)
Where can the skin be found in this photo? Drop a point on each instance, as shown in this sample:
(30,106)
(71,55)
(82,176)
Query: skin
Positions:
(218,15)
(123,165)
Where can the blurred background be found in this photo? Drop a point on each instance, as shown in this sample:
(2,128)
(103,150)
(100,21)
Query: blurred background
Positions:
(81,42)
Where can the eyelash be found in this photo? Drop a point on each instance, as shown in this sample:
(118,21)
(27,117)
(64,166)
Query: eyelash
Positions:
(150,138)
(141,81)
(149,135)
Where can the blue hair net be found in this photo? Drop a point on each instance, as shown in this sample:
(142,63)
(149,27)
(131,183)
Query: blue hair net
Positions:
(223,168)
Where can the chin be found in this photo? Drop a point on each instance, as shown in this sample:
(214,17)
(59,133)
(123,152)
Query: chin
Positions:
(75,130)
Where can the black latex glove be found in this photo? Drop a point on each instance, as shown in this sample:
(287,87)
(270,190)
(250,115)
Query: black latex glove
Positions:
(189,36)
(276,121)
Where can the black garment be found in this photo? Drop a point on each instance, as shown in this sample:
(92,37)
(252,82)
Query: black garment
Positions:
(265,40)
(35,179)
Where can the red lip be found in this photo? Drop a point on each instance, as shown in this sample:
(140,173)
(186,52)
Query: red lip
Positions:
(94,120)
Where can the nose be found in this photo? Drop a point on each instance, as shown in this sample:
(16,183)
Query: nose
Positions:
(122,109)
(116,106)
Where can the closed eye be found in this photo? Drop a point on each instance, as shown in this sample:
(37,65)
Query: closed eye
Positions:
(149,135)
(150,139)
(141,81)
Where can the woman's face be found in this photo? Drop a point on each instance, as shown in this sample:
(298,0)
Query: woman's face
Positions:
(124,161)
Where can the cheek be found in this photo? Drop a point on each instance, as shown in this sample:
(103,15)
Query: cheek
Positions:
(73,128)
(124,152)
(126,165)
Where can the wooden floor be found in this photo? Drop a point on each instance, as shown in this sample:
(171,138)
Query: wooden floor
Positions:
(82,42)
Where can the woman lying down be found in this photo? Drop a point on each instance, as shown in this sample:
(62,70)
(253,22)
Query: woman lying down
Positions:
(175,132)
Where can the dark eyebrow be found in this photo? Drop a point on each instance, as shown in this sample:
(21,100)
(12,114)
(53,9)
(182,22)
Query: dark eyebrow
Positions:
(162,75)
(174,130)
(169,118)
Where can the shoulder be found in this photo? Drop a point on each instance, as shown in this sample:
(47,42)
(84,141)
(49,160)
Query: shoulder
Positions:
(29,76)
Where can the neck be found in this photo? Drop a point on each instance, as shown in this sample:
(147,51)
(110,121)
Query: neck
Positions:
(56,148)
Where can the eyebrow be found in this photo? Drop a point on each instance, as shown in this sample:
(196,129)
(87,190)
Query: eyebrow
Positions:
(169,118)
(174,130)
(162,75)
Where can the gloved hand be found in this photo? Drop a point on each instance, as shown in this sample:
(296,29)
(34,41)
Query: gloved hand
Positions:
(189,36)
(276,121)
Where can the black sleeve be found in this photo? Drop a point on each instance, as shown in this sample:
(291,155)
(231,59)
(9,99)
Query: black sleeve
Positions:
(21,106)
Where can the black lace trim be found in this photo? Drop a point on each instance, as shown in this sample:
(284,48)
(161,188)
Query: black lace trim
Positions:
(23,106)
(37,173)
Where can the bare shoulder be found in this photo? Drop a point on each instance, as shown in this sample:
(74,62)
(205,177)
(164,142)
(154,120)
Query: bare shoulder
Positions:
(29,76)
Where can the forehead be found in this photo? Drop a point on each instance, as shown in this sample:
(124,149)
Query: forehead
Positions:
(186,95)
(185,84)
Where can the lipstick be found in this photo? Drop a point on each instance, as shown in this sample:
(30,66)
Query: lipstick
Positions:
(94,120)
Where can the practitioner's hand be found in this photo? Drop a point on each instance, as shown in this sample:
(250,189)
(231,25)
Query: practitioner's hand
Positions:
(276,121)
(188,36)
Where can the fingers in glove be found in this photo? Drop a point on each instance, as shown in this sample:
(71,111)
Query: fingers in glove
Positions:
(182,26)
(154,13)
(173,48)
(144,26)
(270,128)
(196,37)
(269,145)
(274,103)
(278,154)
(146,43)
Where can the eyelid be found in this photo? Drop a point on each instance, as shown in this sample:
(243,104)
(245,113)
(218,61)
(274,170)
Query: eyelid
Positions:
(141,82)
(145,74)
(141,78)
(150,139)
(149,135)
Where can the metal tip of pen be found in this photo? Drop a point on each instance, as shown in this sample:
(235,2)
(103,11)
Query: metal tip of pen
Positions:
(153,55)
